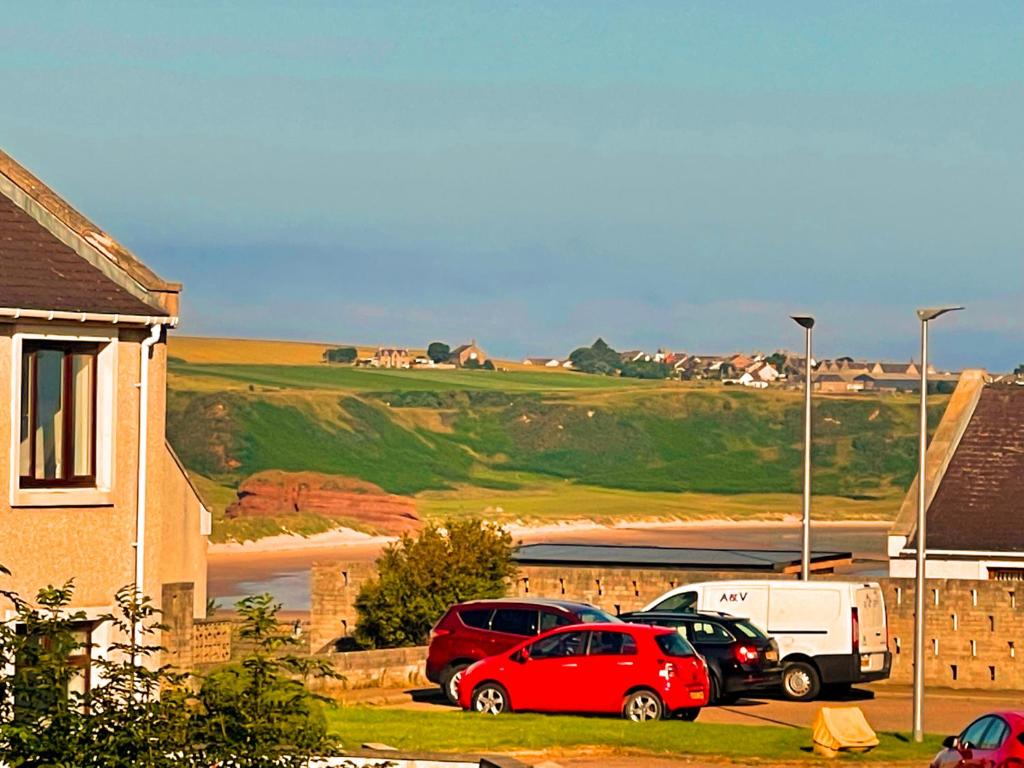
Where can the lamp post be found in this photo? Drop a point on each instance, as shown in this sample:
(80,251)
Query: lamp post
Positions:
(807,323)
(925,315)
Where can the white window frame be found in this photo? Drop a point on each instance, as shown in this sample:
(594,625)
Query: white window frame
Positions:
(106,420)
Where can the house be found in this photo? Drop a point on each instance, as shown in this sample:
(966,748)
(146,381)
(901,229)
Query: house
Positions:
(392,357)
(467,354)
(975,472)
(90,489)
(762,371)
(543,362)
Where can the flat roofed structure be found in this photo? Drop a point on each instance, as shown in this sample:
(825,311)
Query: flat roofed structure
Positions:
(680,558)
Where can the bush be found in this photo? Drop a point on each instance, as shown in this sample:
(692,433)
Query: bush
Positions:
(255,714)
(419,578)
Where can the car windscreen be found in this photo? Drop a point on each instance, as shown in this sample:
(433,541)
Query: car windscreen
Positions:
(596,616)
(673,644)
(748,629)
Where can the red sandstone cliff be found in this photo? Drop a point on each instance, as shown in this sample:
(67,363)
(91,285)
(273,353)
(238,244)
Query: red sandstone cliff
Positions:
(274,493)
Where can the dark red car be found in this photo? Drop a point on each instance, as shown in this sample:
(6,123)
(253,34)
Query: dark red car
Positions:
(474,630)
(991,741)
(638,671)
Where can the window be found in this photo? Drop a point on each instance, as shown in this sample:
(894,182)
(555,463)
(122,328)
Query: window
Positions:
(684,601)
(975,732)
(58,415)
(701,632)
(39,692)
(611,644)
(515,621)
(673,644)
(596,616)
(995,734)
(479,618)
(560,645)
(549,620)
(748,629)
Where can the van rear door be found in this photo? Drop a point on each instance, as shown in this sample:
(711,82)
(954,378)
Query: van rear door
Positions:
(871,617)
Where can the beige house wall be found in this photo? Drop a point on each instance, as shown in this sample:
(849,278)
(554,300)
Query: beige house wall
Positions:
(92,544)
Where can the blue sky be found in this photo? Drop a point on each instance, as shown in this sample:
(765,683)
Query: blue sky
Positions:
(534,175)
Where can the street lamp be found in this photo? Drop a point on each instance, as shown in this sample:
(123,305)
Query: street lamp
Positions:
(924,315)
(807,323)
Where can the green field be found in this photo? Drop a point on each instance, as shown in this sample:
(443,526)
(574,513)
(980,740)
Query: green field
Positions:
(469,732)
(538,445)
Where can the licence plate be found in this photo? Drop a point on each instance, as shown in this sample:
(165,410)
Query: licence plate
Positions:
(772,656)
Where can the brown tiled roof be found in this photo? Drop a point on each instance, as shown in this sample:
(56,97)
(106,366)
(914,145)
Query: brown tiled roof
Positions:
(62,210)
(979,505)
(38,271)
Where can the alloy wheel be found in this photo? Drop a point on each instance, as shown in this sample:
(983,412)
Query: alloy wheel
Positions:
(490,701)
(643,707)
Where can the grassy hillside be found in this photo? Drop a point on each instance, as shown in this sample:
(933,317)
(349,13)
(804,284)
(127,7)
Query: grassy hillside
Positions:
(534,444)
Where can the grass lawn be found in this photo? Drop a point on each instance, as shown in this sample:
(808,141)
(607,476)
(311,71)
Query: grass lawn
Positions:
(348,379)
(465,732)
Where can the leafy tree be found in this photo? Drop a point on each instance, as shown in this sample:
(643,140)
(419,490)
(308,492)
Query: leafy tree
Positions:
(472,364)
(419,578)
(777,360)
(438,351)
(597,358)
(341,355)
(1019,370)
(726,371)
(258,713)
(488,365)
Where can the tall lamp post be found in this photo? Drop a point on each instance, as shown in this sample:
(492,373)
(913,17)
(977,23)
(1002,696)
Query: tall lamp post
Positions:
(924,315)
(807,323)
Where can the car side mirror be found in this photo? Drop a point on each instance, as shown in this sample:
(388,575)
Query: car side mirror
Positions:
(951,742)
(522,656)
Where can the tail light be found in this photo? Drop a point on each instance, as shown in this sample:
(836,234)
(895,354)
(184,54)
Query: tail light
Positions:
(437,632)
(745,654)
(855,628)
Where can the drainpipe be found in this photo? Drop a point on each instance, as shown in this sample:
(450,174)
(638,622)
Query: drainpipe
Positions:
(140,505)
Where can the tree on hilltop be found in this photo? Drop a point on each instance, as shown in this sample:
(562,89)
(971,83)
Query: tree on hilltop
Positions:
(341,355)
(438,351)
(597,358)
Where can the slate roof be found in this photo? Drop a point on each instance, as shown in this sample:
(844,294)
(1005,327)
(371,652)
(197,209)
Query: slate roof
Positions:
(979,505)
(38,271)
(770,560)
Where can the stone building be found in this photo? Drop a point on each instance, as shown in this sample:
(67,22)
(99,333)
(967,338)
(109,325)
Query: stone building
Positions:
(90,490)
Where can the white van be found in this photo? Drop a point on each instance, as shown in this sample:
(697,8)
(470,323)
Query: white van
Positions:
(829,632)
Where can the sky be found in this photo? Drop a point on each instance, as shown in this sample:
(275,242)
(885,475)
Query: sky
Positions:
(682,175)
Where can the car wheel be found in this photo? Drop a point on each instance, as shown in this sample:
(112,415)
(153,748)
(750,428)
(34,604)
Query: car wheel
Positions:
(714,690)
(689,714)
(800,681)
(642,705)
(450,682)
(490,699)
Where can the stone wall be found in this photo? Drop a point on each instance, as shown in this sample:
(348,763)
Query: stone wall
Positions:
(974,632)
(178,635)
(333,590)
(211,641)
(387,668)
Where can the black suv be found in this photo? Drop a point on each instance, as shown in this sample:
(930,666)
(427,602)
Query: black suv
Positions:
(740,657)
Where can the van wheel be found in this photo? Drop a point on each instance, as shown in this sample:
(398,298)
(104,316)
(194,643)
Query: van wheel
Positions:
(450,681)
(800,681)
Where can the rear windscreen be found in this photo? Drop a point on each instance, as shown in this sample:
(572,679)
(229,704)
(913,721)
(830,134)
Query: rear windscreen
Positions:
(749,630)
(673,644)
(596,616)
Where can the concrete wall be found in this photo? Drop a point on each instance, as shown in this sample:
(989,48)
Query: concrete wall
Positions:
(983,642)
(388,668)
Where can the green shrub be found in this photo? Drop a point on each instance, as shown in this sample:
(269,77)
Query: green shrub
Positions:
(341,355)
(418,578)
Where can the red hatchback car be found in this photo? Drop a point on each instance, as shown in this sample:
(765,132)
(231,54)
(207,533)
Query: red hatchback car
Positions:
(638,671)
(476,629)
(992,741)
